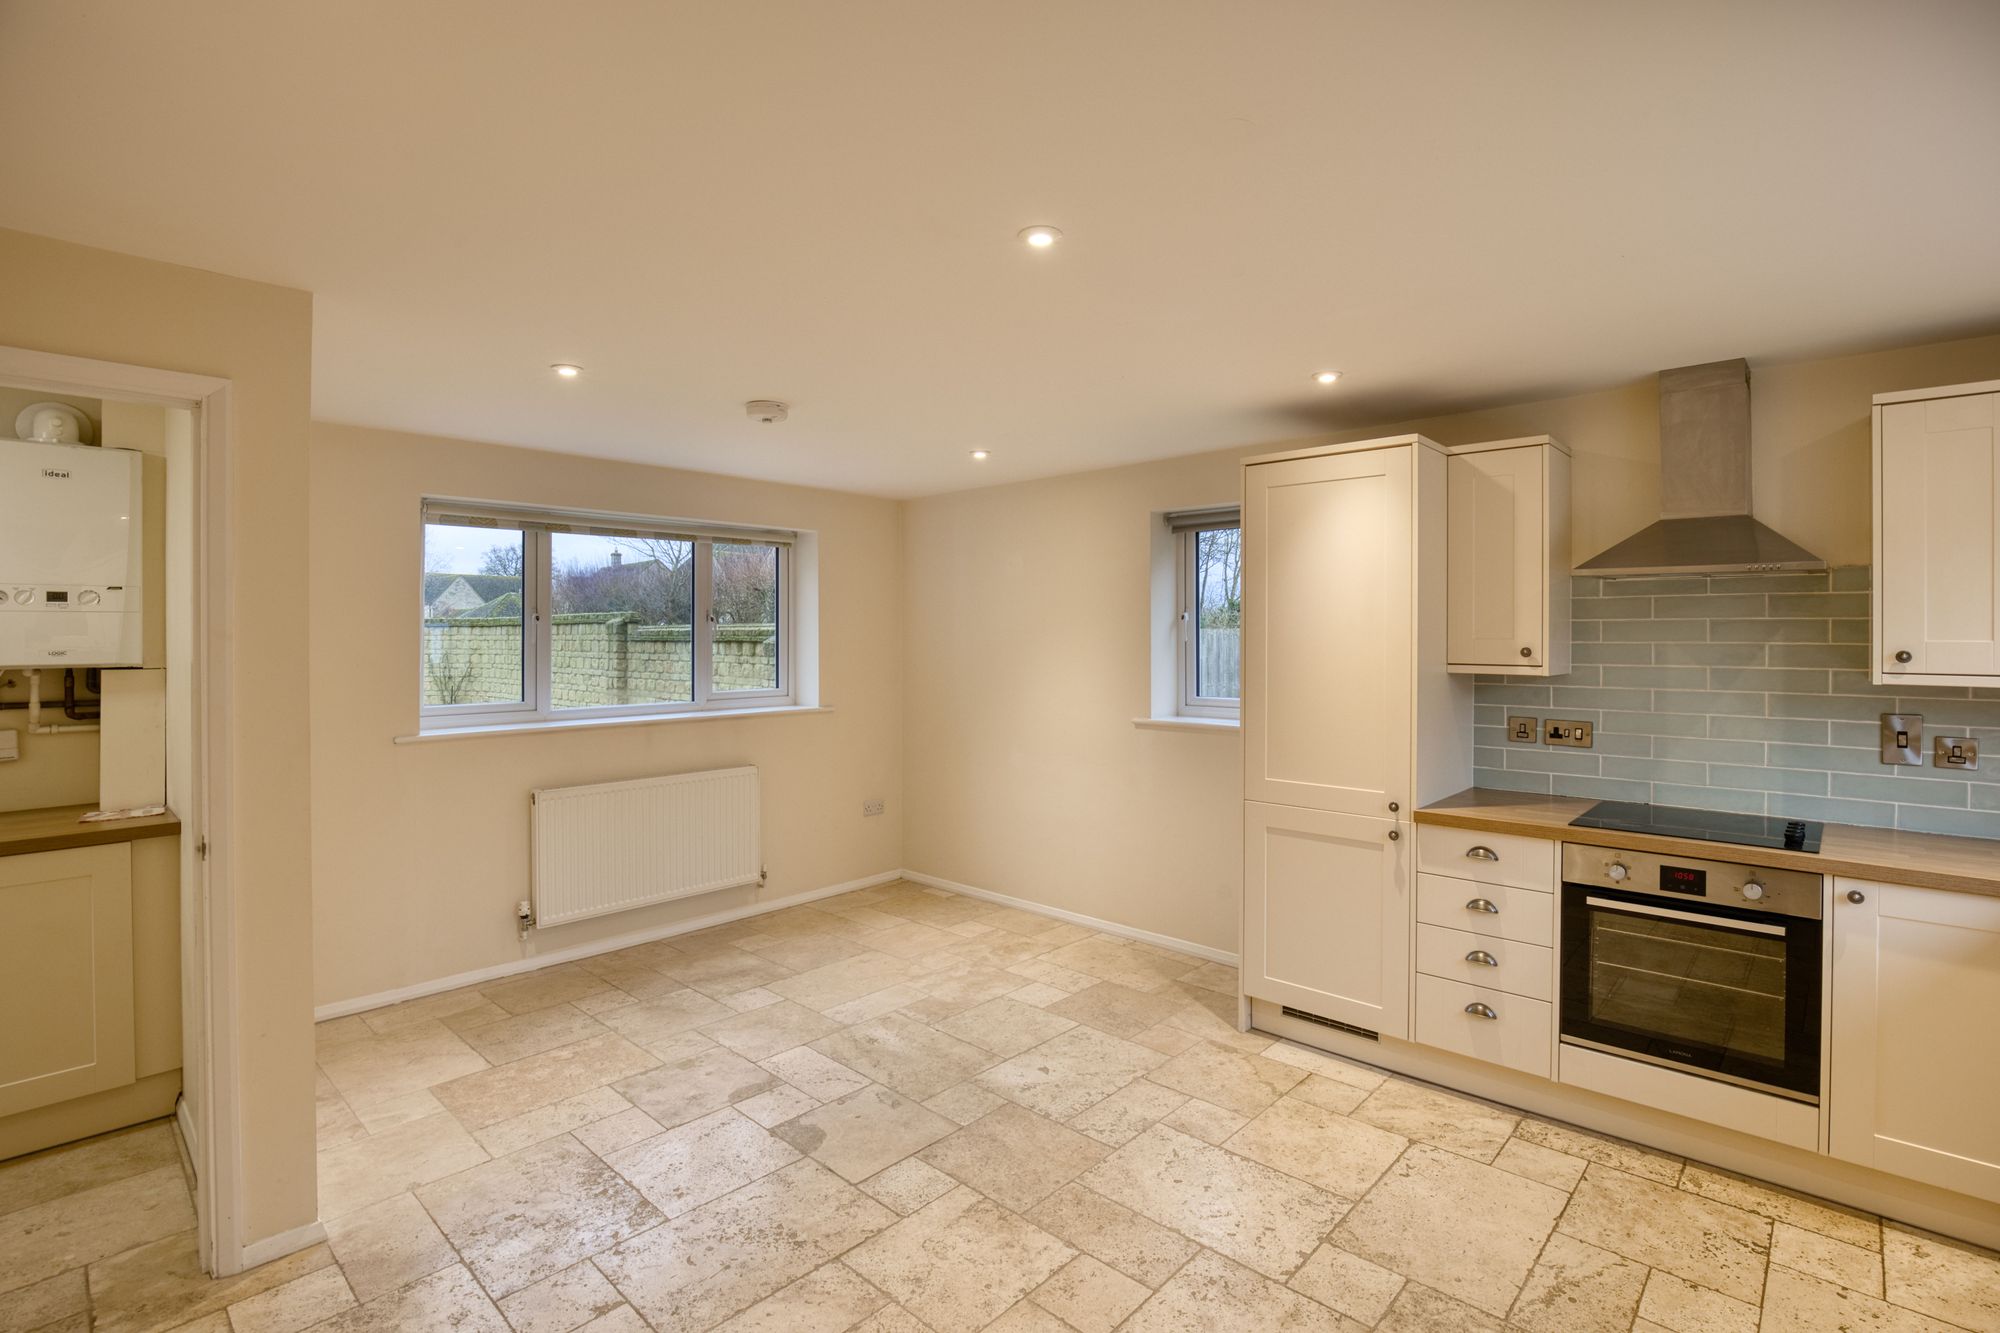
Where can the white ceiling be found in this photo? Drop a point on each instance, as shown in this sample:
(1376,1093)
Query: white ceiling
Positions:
(703,203)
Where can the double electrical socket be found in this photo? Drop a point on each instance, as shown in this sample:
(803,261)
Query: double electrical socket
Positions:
(1556,731)
(872,806)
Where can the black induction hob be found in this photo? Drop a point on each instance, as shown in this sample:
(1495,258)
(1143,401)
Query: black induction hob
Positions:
(1791,835)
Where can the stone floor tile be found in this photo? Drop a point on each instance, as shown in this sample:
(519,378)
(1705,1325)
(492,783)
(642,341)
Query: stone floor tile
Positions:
(388,1245)
(649,1021)
(300,1303)
(447,1300)
(1166,1039)
(1326,1066)
(378,1067)
(1005,1027)
(1070,1072)
(802,953)
(568,1300)
(359,1172)
(1218,977)
(830,1299)
(1136,1246)
(964,1103)
(864,1132)
(1046,973)
(617,1131)
(1442,1119)
(703,1159)
(892,1319)
(1341,1156)
(1715,1244)
(1797,1303)
(540,990)
(40,1177)
(442,1007)
(1418,1309)
(1234,1080)
(959,1262)
(1089,1296)
(1114,960)
(693,1271)
(814,1074)
(687,1089)
(1783,1205)
(523,1217)
(1239,1208)
(875,1004)
(1210,1293)
(763,1032)
(378,1116)
(1204,1120)
(908,1185)
(756,997)
(915,1060)
(629,975)
(1327,1095)
(1466,1229)
(40,1304)
(1015,1157)
(1946,1279)
(908,939)
(1522,1158)
(1037,994)
(162,1285)
(723,970)
(1025,1316)
(824,988)
(1627,1157)
(1119,1010)
(1347,1283)
(777,1106)
(509,1037)
(493,1095)
(1681,1306)
(623,1319)
(46,1239)
(1828,1259)
(545,1122)
(1122,1116)
(1578,1288)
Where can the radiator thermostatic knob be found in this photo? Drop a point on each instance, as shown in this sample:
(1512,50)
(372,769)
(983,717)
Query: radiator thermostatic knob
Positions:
(1753,891)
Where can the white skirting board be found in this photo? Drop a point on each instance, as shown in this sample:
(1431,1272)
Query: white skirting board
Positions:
(260,1252)
(1076,918)
(363,1003)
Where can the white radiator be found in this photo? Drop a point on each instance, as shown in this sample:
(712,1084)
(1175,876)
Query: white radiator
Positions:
(619,845)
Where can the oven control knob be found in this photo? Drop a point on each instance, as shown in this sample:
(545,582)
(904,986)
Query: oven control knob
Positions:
(1753,891)
(1616,871)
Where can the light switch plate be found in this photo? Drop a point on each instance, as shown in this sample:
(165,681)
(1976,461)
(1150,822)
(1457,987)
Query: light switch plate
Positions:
(1960,752)
(1521,730)
(1902,738)
(1562,731)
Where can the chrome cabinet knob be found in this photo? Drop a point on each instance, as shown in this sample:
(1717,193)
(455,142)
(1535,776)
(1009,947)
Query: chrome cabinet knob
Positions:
(1527,652)
(1483,958)
(1482,905)
(1856,896)
(1478,1010)
(1395,835)
(1394,806)
(1481,854)
(1903,655)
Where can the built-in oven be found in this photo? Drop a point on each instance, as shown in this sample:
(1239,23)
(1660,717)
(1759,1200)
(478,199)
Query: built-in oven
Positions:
(1708,967)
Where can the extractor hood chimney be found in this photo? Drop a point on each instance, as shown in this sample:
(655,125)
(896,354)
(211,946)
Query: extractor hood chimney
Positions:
(1705,525)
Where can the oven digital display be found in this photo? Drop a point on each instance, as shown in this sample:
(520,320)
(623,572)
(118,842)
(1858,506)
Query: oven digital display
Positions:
(1681,879)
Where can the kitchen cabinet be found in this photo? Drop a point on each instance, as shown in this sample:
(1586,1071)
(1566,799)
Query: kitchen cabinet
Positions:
(1507,543)
(1937,536)
(1349,720)
(1912,1083)
(66,975)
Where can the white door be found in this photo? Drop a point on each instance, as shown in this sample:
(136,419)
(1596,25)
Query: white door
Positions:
(1939,585)
(1914,1086)
(1494,552)
(1326,907)
(1327,635)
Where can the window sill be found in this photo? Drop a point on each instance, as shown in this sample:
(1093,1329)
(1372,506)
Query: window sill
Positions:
(1187,724)
(596,723)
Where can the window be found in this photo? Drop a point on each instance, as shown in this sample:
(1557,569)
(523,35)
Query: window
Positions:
(1209,556)
(531,615)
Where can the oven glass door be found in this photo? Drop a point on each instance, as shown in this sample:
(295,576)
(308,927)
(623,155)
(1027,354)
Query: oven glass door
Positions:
(1719,990)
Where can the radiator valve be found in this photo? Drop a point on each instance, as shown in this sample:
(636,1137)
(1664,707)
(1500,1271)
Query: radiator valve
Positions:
(524,915)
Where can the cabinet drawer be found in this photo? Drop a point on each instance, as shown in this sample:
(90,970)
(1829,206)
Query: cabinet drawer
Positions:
(1490,858)
(1517,1035)
(1516,914)
(1517,968)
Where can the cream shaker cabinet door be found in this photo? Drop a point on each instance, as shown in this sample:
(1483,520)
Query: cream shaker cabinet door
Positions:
(1913,1083)
(1495,558)
(1327,631)
(1938,539)
(65,975)
(1326,902)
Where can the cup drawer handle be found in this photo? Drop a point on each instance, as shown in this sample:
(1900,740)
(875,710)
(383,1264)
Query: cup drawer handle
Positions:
(1478,1010)
(1483,958)
(1483,905)
(1477,853)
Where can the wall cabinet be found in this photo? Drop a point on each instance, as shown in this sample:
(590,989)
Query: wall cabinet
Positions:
(1937,536)
(1507,544)
(1349,720)
(1913,1086)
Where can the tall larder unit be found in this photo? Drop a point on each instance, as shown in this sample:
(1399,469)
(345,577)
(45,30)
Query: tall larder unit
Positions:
(1350,721)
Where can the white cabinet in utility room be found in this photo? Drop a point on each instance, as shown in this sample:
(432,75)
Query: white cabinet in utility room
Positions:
(1349,720)
(1507,540)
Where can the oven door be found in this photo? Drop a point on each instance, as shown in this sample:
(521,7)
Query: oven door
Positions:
(1722,991)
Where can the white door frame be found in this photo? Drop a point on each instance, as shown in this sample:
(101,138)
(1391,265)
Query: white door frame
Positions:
(209,1056)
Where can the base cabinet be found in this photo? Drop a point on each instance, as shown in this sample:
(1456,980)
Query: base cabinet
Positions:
(1327,915)
(1914,1085)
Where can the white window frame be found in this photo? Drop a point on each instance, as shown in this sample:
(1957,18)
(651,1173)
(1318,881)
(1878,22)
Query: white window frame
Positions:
(537,637)
(1186,537)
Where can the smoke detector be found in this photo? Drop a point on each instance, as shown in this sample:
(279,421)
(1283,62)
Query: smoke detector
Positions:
(767,410)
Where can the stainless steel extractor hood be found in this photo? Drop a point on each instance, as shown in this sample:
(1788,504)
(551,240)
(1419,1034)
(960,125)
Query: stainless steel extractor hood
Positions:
(1705,525)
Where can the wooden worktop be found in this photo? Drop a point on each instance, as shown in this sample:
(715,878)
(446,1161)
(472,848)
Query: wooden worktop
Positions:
(55,828)
(1924,860)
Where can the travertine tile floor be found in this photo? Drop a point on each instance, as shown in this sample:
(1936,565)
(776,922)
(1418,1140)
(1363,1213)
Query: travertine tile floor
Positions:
(903,1110)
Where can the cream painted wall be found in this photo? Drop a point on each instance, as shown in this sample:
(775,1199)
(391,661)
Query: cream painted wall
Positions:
(58,297)
(1029,653)
(421,851)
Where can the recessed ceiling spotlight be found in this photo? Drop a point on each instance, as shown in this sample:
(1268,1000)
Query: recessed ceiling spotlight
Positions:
(981,455)
(1327,377)
(566,371)
(1040,238)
